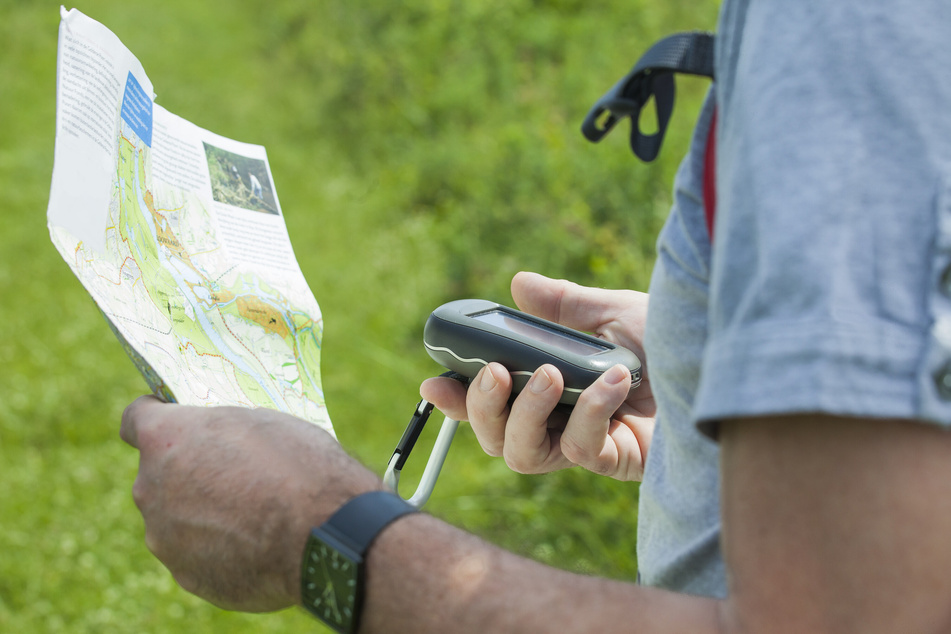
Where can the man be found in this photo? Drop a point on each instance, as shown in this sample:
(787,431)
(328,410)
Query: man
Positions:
(811,339)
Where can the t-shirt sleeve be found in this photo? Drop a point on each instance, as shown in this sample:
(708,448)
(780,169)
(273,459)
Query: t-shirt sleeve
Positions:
(831,265)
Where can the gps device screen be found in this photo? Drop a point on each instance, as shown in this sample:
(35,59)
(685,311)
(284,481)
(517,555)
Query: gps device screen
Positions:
(560,339)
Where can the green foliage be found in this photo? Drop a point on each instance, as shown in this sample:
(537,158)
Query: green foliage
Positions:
(470,112)
(422,153)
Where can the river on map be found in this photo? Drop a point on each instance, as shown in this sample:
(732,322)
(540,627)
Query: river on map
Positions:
(182,273)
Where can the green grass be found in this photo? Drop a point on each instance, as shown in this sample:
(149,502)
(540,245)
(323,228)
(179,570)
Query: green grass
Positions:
(421,153)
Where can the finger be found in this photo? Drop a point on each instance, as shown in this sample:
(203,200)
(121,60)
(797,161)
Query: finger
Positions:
(528,442)
(487,406)
(567,303)
(585,440)
(448,395)
(133,415)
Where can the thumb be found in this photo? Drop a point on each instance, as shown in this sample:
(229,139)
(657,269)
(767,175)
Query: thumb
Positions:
(563,302)
(134,415)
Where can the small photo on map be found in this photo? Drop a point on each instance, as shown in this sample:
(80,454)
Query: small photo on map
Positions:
(240,181)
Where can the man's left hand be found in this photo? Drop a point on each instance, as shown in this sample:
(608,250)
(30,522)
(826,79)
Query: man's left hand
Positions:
(229,496)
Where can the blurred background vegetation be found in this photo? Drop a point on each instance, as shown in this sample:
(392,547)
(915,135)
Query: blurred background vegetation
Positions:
(422,152)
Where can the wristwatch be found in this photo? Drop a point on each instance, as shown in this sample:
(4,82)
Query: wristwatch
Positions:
(332,571)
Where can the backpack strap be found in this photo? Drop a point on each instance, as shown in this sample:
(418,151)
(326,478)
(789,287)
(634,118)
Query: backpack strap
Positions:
(710,176)
(653,76)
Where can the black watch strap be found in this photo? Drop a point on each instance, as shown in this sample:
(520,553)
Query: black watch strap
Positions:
(357,523)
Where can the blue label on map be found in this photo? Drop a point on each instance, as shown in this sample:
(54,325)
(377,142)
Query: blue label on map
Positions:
(137,110)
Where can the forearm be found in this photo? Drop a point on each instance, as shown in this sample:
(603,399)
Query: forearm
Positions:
(426,576)
(229,496)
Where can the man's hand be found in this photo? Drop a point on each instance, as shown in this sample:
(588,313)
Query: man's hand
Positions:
(229,496)
(609,429)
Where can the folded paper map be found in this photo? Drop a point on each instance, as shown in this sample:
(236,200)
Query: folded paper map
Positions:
(178,235)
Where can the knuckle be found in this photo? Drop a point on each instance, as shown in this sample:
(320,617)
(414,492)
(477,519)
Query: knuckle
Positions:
(153,543)
(585,456)
(515,465)
(519,463)
(130,411)
(189,583)
(573,450)
(492,448)
(136,419)
(484,414)
(595,401)
(490,433)
(491,436)
(599,468)
(147,436)
(140,493)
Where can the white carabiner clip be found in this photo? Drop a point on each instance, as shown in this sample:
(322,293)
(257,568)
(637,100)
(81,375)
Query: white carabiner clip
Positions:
(437,457)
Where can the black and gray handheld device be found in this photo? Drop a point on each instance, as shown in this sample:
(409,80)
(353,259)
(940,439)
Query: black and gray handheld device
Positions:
(465,335)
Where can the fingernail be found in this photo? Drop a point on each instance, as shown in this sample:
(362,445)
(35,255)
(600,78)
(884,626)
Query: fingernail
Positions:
(540,382)
(616,374)
(488,382)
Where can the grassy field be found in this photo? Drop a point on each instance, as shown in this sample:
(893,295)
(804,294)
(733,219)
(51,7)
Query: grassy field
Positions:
(421,153)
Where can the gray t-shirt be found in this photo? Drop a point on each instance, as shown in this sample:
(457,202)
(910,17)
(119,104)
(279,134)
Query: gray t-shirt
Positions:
(828,286)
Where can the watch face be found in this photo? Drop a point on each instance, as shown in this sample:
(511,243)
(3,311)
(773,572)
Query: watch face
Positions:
(331,583)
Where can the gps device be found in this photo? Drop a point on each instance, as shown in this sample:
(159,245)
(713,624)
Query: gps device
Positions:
(465,335)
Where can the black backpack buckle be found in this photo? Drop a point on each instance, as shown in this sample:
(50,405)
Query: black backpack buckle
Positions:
(652,76)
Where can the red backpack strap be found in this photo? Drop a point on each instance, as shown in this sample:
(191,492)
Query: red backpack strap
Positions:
(710,176)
